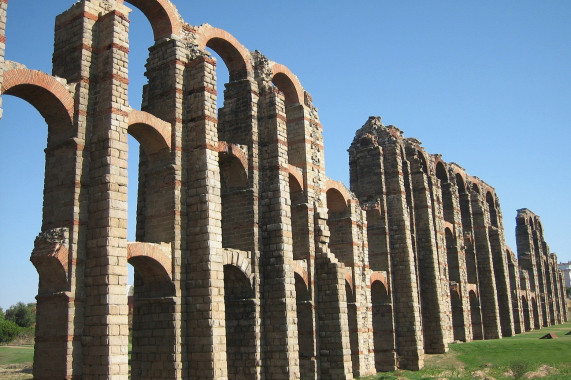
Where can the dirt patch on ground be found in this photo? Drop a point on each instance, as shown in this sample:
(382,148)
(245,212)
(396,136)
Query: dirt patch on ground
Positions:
(447,360)
(482,374)
(16,371)
(542,371)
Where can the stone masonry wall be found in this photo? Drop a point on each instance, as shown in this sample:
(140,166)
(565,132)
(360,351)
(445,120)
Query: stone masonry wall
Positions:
(249,262)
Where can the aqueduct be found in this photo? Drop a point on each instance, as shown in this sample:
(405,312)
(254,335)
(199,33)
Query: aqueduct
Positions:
(249,262)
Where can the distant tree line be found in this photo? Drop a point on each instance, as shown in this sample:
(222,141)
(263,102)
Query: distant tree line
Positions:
(18,320)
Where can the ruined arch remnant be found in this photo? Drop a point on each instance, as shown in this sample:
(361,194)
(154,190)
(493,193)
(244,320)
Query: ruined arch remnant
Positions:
(249,262)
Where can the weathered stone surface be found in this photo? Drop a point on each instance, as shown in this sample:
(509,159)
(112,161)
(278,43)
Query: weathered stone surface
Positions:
(249,262)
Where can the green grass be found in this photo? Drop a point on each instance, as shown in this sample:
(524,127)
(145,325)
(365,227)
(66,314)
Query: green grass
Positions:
(16,354)
(507,358)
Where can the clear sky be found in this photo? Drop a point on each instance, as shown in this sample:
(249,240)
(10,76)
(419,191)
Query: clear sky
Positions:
(487,84)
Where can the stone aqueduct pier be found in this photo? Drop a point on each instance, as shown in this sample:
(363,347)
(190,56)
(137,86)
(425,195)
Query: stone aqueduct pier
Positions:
(249,262)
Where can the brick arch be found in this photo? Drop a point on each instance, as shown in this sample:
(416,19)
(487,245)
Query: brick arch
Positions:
(423,156)
(163,16)
(52,267)
(234,151)
(238,260)
(455,289)
(287,83)
(441,170)
(490,191)
(302,273)
(460,176)
(341,196)
(450,227)
(153,260)
(151,132)
(378,276)
(472,288)
(49,96)
(236,57)
(295,173)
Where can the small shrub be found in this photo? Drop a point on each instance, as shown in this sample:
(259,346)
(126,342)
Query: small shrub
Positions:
(519,368)
(8,331)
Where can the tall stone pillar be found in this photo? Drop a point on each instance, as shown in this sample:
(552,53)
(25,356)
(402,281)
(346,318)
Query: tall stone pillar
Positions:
(106,330)
(486,278)
(334,346)
(410,342)
(157,347)
(368,183)
(528,259)
(501,275)
(205,332)
(517,307)
(436,321)
(456,253)
(280,350)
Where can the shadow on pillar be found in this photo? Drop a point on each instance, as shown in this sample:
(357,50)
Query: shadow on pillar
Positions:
(476,314)
(383,328)
(240,312)
(305,330)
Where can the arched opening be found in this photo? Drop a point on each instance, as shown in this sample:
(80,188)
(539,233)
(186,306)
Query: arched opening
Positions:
(526,313)
(452,257)
(150,221)
(233,87)
(420,193)
(377,237)
(454,275)
(339,223)
(492,208)
(549,294)
(536,321)
(383,327)
(20,122)
(467,229)
(476,316)
(516,306)
(299,219)
(556,292)
(353,326)
(240,312)
(457,317)
(138,55)
(294,111)
(31,165)
(162,15)
(237,204)
(305,329)
(446,192)
(540,274)
(153,307)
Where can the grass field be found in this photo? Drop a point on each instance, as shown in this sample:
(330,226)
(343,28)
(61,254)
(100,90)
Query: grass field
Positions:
(16,362)
(521,356)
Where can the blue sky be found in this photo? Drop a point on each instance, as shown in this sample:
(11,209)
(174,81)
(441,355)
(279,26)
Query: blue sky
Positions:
(486,84)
